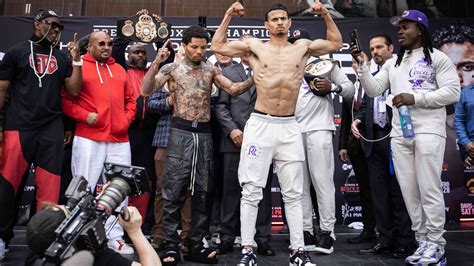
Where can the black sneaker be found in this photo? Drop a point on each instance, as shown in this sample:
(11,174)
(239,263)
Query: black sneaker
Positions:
(301,258)
(310,241)
(248,258)
(325,243)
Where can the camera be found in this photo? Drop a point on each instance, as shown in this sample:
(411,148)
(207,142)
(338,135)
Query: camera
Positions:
(84,229)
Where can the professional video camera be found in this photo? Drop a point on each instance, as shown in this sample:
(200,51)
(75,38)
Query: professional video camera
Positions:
(84,228)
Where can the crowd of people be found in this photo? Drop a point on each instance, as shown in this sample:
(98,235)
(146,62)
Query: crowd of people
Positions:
(269,116)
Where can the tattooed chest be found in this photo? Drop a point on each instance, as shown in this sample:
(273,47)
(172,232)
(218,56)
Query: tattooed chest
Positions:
(192,94)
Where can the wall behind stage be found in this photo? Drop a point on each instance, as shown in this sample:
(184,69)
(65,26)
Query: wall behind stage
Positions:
(458,182)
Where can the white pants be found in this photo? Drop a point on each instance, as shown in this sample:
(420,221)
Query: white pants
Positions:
(88,159)
(418,165)
(318,169)
(265,139)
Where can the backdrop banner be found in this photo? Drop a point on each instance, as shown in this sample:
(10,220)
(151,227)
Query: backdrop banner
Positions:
(458,181)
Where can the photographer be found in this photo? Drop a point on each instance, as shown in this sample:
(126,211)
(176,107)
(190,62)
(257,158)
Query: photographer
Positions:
(40,234)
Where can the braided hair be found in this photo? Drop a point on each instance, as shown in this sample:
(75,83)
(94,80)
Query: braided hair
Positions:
(427,46)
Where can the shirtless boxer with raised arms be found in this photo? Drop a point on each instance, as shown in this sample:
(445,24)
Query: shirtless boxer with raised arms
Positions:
(272,132)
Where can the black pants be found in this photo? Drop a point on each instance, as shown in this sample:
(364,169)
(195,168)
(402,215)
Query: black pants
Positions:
(230,211)
(44,148)
(188,166)
(359,164)
(391,216)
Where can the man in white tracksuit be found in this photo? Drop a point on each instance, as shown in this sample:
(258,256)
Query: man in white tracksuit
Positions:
(425,80)
(315,115)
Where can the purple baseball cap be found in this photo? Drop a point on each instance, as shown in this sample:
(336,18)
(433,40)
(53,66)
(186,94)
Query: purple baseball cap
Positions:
(413,15)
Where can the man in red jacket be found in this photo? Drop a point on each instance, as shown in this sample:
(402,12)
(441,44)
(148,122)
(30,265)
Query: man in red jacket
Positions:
(103,112)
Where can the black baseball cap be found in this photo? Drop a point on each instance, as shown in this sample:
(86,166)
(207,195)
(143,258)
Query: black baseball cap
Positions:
(40,229)
(42,14)
(297,34)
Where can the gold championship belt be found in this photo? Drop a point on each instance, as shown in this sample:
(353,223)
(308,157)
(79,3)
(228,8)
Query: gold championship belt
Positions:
(143,27)
(318,69)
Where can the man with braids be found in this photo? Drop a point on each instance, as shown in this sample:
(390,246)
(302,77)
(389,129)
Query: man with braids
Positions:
(189,160)
(425,80)
(272,132)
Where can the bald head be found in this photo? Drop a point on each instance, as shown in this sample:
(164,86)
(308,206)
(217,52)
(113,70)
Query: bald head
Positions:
(100,46)
(137,56)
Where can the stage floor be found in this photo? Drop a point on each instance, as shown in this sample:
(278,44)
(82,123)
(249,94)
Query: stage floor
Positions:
(459,251)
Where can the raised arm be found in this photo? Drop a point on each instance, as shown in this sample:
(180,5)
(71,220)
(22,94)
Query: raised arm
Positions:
(219,42)
(73,83)
(152,82)
(232,88)
(333,40)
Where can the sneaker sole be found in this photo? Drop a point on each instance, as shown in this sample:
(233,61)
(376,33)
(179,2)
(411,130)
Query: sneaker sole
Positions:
(324,250)
(441,262)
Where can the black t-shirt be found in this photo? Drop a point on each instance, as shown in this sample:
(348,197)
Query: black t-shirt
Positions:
(108,257)
(30,106)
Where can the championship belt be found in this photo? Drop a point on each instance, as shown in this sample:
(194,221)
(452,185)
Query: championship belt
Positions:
(143,28)
(318,69)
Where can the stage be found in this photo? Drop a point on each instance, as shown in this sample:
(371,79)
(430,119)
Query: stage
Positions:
(460,249)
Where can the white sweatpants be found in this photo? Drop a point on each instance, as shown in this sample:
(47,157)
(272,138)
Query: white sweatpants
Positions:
(88,159)
(418,165)
(265,139)
(318,169)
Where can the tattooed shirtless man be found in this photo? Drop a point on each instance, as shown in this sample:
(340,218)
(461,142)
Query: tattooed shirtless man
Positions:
(189,159)
(272,132)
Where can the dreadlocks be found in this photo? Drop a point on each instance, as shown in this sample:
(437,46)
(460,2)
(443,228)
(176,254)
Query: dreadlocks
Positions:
(427,46)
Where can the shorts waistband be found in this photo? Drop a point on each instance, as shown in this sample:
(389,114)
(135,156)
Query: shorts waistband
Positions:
(191,126)
(263,113)
(273,119)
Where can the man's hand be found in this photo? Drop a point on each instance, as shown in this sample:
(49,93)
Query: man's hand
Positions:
(72,47)
(134,224)
(68,137)
(470,149)
(163,53)
(92,118)
(403,99)
(323,86)
(236,9)
(318,8)
(343,155)
(359,56)
(355,129)
(237,136)
(170,100)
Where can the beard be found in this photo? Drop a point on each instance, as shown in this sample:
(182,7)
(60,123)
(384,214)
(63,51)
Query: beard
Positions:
(280,33)
(140,64)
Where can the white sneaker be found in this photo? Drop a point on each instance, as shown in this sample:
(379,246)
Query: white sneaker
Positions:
(120,247)
(434,253)
(416,256)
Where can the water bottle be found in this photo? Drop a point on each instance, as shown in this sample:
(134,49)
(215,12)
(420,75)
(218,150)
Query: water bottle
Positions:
(405,122)
(2,249)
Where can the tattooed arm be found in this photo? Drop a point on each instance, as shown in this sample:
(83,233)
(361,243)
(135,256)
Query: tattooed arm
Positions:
(152,83)
(232,88)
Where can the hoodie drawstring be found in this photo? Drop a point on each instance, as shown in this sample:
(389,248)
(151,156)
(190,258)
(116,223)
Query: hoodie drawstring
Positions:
(194,161)
(98,72)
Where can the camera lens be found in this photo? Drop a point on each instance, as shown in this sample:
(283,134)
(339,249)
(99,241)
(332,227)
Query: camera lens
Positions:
(113,195)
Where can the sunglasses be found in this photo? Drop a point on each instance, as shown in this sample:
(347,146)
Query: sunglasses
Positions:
(102,43)
(54,25)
